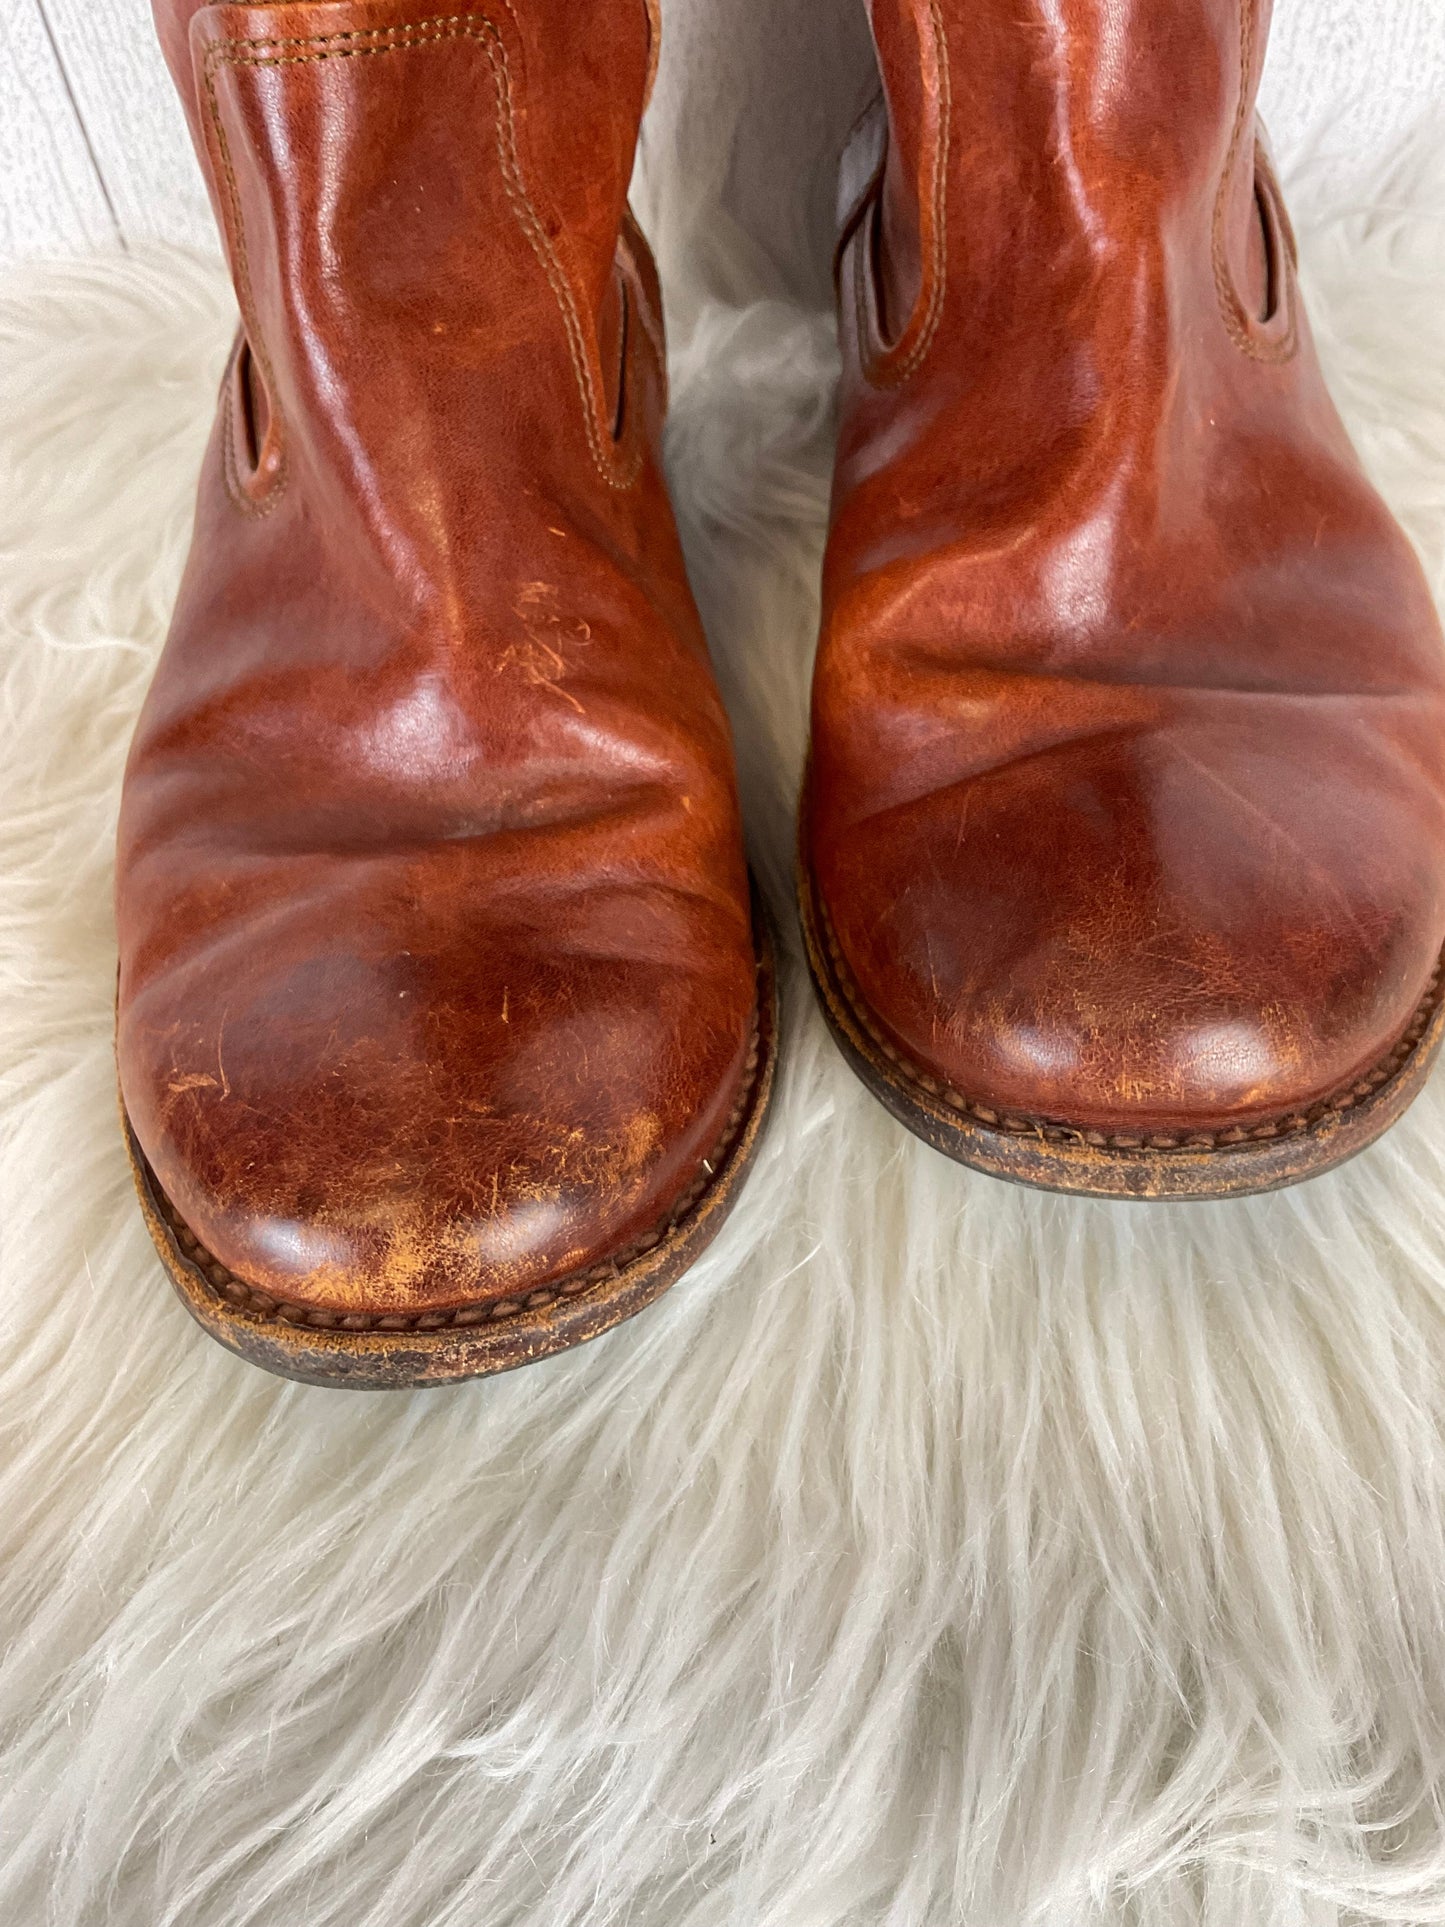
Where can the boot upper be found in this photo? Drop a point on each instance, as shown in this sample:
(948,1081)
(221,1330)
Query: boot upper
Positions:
(1126,803)
(437,972)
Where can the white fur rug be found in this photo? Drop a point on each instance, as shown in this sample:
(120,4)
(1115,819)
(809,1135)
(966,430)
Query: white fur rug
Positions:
(937,1555)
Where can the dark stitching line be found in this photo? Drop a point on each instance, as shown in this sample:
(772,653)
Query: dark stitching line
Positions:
(1292,1124)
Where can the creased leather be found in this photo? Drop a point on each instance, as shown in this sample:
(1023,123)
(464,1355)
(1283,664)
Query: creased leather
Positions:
(437,972)
(1128,746)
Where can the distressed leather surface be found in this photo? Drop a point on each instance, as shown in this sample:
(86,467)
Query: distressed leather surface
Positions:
(1128,745)
(437,974)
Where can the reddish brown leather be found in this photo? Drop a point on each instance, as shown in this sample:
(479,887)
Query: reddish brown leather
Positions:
(437,973)
(1128,751)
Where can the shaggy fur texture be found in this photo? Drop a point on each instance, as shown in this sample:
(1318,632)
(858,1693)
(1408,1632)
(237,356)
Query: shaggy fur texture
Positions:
(936,1555)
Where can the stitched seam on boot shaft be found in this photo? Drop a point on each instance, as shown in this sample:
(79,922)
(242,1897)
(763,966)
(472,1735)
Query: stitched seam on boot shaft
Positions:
(1288,1124)
(1236,318)
(618,473)
(269,1306)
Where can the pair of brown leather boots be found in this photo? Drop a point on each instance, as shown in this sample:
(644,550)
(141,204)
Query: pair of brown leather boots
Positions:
(447,1018)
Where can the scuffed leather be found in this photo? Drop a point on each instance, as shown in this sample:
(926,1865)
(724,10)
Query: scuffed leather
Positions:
(1128,746)
(437,972)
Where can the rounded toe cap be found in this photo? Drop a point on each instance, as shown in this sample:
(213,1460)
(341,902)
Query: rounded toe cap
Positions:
(1096,941)
(440,1142)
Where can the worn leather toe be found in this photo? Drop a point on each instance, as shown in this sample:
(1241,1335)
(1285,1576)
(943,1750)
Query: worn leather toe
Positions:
(1144,931)
(459,1109)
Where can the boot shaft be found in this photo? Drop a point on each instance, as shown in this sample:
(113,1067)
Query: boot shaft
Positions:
(1028,135)
(441,292)
(366,158)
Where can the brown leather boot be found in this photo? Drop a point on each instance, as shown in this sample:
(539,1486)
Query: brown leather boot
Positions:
(445,1023)
(1124,834)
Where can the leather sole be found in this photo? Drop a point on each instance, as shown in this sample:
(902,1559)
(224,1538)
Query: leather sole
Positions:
(438,1348)
(1051,1155)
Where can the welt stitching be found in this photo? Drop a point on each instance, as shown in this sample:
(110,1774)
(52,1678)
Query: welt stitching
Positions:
(236,1291)
(1290,1124)
(430,30)
(1230,305)
(892,375)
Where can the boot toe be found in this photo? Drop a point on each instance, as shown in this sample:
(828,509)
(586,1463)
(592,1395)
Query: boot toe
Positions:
(396,1139)
(1145,937)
